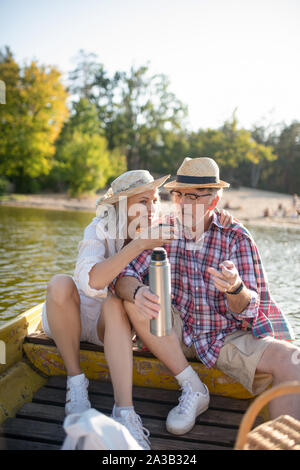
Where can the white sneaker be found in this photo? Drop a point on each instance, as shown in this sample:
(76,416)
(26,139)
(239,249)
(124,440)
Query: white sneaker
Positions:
(134,424)
(77,400)
(181,419)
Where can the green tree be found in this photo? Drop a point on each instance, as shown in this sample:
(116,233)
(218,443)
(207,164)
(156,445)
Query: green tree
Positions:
(84,118)
(234,149)
(89,80)
(206,143)
(284,175)
(31,119)
(170,153)
(137,110)
(148,111)
(264,152)
(83,161)
(288,150)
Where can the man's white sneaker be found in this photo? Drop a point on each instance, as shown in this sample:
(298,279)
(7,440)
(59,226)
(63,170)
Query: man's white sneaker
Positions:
(181,419)
(77,400)
(133,423)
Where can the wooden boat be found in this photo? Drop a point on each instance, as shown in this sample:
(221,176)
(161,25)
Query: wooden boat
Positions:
(33,382)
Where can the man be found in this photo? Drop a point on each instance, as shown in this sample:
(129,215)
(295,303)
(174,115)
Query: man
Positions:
(223,313)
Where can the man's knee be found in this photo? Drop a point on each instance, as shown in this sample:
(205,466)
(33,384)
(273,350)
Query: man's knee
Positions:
(282,358)
(61,289)
(284,353)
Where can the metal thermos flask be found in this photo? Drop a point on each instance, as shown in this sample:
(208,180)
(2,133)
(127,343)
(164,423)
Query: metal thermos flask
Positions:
(160,284)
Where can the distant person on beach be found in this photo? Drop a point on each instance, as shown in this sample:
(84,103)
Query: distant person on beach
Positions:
(81,308)
(295,201)
(295,206)
(223,314)
(280,211)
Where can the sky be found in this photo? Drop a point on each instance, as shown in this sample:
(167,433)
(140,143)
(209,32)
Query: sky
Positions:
(219,55)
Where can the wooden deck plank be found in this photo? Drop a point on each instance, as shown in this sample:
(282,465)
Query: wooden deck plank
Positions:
(19,444)
(23,435)
(105,404)
(155,395)
(53,433)
(199,433)
(169,444)
(39,423)
(42,412)
(32,430)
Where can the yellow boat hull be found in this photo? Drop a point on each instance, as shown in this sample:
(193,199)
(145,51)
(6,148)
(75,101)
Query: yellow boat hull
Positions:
(18,379)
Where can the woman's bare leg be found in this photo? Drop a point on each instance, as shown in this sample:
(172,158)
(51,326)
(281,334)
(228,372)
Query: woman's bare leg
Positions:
(167,348)
(63,314)
(114,331)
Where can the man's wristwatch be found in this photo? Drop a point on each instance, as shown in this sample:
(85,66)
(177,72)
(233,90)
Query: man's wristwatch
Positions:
(237,290)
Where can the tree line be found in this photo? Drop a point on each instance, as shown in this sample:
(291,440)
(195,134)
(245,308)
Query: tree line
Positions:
(78,137)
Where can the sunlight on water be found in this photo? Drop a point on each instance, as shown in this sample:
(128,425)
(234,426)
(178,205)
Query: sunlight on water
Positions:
(280,253)
(35,244)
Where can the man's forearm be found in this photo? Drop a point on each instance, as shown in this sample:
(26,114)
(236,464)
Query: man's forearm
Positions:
(126,286)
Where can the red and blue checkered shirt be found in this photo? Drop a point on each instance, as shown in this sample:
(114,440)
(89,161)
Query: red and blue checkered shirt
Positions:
(207,319)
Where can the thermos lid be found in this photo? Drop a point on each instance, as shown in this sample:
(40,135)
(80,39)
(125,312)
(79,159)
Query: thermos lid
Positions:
(159,254)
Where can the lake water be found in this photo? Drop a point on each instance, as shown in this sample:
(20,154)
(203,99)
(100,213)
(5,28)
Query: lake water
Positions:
(35,244)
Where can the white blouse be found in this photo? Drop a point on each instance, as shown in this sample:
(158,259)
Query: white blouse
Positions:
(95,247)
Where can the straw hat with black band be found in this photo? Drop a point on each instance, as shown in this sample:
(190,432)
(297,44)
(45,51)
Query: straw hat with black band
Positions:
(200,172)
(129,184)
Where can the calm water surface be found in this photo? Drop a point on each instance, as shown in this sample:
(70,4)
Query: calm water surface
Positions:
(35,244)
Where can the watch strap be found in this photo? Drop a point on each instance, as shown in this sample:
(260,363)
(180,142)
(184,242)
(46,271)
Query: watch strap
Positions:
(136,290)
(237,290)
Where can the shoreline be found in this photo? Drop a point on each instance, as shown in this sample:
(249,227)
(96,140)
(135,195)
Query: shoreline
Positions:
(246,204)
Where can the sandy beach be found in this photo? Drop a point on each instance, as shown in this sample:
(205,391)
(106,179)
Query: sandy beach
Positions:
(246,204)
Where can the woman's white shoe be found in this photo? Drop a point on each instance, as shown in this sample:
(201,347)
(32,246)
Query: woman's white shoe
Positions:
(77,400)
(134,424)
(181,419)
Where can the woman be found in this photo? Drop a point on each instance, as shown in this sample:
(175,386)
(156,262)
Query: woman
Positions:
(78,309)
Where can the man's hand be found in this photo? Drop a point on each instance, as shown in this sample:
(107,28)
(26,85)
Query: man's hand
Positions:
(147,303)
(226,280)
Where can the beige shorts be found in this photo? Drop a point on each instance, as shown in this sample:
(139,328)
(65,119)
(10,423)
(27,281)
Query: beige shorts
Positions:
(238,357)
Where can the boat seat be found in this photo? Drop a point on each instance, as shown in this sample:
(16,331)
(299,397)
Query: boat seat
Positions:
(40,337)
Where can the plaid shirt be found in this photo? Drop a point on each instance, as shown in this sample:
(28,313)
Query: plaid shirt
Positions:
(207,319)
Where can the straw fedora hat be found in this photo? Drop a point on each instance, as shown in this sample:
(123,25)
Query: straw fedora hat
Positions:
(131,183)
(197,173)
